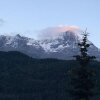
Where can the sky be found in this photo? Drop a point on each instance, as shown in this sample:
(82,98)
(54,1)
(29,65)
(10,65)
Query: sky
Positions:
(30,16)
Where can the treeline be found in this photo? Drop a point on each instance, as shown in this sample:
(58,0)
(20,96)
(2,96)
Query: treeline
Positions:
(25,78)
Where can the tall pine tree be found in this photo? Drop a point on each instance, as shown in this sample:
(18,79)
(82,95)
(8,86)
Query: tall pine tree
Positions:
(83,77)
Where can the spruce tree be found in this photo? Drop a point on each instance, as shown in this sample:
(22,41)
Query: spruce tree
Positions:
(83,77)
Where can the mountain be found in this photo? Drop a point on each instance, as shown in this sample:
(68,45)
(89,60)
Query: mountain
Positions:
(61,46)
(19,43)
(25,78)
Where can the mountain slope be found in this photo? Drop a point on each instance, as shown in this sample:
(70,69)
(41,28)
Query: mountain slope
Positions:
(25,78)
(62,46)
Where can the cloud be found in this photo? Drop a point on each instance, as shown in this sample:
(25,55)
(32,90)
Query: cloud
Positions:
(2,21)
(52,32)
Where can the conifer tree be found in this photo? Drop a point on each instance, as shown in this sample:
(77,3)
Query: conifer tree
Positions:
(83,77)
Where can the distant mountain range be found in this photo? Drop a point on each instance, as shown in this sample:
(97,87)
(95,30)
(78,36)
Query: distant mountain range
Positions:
(63,46)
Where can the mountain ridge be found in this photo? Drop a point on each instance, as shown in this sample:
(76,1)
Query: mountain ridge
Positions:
(64,46)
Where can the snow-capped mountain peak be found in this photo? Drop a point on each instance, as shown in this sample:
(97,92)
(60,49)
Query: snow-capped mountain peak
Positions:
(62,46)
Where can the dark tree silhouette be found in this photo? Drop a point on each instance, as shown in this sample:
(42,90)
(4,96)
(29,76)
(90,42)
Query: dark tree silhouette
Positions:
(83,77)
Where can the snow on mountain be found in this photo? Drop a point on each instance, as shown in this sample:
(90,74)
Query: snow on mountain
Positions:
(64,40)
(61,45)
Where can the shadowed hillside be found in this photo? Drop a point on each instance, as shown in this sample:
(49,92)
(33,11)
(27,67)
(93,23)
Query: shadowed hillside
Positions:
(25,78)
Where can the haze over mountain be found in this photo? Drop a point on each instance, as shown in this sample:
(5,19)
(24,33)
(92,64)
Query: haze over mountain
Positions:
(53,32)
(55,42)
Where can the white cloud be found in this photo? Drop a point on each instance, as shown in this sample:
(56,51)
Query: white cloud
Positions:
(51,32)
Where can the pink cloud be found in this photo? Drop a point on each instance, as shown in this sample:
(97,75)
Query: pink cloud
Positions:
(51,32)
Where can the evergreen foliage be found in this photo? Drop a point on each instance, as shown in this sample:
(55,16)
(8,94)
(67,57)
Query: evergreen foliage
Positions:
(83,78)
(25,78)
